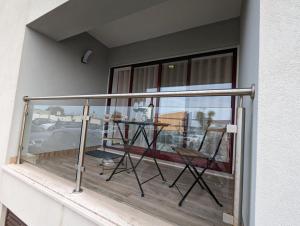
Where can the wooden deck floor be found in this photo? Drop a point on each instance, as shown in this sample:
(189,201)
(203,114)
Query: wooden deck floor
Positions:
(160,200)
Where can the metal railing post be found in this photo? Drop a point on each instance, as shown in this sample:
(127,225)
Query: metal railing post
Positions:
(80,167)
(21,138)
(238,171)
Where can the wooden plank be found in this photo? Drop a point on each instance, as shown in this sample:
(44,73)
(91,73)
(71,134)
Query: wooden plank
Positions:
(160,200)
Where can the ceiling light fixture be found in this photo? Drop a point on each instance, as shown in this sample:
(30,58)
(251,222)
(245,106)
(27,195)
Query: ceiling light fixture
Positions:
(171,66)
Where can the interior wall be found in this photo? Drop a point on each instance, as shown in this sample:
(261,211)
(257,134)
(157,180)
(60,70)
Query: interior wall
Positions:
(248,74)
(204,38)
(54,68)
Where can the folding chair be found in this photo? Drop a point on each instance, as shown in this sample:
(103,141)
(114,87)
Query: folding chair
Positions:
(189,156)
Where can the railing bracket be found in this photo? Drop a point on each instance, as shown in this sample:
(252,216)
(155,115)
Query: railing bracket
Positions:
(227,218)
(85,118)
(82,168)
(231,128)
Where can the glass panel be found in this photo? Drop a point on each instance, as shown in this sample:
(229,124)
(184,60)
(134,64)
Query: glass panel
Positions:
(96,126)
(52,132)
(172,110)
(144,81)
(214,72)
(160,200)
(119,107)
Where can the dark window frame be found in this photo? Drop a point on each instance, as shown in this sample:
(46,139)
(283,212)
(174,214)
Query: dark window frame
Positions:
(222,166)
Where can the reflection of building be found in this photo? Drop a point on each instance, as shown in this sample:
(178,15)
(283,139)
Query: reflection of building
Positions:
(176,120)
(38,113)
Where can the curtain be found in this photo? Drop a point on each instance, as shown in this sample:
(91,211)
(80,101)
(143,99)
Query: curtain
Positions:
(214,72)
(144,80)
(119,107)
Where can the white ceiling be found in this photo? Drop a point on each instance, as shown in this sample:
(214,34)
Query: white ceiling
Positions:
(167,17)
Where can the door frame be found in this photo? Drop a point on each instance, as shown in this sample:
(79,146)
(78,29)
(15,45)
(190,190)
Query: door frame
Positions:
(218,166)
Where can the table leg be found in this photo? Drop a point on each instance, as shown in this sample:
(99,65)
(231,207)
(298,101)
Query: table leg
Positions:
(136,176)
(149,148)
(155,155)
(115,169)
(126,149)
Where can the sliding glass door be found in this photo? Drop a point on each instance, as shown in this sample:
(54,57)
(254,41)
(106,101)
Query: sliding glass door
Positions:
(172,110)
(118,108)
(144,80)
(188,116)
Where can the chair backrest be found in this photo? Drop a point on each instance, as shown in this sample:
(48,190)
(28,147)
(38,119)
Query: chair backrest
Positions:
(211,129)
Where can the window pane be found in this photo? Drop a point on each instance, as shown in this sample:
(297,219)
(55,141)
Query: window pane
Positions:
(214,72)
(172,110)
(119,107)
(144,80)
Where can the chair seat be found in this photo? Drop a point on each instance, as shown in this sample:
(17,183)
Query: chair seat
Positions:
(190,153)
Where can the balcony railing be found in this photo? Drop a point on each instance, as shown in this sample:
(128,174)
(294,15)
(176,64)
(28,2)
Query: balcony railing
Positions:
(87,119)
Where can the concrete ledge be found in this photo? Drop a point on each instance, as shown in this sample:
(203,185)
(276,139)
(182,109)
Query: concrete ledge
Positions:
(41,198)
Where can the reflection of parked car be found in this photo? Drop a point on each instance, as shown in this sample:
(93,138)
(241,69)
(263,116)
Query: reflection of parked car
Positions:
(41,121)
(46,126)
(36,129)
(62,139)
(65,124)
(41,124)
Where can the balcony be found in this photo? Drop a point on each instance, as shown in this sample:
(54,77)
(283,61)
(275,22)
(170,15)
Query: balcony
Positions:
(129,154)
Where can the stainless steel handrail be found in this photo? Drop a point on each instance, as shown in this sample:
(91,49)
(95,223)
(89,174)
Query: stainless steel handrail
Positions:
(211,92)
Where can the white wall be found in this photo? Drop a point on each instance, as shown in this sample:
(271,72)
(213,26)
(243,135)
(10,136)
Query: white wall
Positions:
(277,200)
(248,74)
(54,68)
(204,38)
(14,15)
(36,207)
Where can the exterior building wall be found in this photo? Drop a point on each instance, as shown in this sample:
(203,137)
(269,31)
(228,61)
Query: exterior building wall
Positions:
(277,173)
(14,15)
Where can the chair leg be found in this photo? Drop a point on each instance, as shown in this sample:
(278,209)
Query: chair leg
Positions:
(211,193)
(206,186)
(195,177)
(177,178)
(190,189)
(114,171)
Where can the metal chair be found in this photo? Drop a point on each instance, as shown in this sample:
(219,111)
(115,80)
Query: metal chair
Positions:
(189,156)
